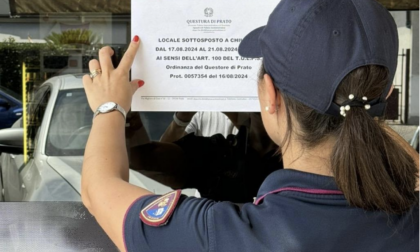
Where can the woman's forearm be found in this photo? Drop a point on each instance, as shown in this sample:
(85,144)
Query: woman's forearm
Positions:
(105,154)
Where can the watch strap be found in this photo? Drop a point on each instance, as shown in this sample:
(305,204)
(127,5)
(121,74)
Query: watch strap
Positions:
(115,108)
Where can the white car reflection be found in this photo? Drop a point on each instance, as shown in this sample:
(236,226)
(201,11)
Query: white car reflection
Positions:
(53,172)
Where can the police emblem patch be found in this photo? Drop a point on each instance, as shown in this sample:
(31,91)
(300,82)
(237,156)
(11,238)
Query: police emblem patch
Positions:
(160,210)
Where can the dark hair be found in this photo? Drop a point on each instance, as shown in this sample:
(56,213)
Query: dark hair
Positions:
(369,167)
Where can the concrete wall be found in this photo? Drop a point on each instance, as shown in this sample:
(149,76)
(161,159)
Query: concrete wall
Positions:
(414,85)
(4,7)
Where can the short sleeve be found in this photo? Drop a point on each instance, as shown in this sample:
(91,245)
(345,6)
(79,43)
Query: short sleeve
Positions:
(193,126)
(186,230)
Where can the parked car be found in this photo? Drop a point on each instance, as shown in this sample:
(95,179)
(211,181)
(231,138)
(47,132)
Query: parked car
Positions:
(10,108)
(58,128)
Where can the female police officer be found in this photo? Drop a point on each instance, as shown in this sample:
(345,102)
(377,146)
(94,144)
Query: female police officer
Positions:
(349,186)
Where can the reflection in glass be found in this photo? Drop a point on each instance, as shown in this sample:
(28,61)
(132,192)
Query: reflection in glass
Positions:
(70,124)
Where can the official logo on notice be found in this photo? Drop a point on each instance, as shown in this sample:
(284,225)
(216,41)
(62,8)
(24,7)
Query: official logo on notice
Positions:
(208,12)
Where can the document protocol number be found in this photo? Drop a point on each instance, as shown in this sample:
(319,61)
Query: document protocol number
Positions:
(215,76)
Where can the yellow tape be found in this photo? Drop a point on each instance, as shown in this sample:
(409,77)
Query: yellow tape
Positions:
(24,114)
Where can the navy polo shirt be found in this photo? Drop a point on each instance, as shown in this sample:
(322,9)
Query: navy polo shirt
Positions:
(294,211)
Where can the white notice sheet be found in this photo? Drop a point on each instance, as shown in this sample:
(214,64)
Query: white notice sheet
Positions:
(189,54)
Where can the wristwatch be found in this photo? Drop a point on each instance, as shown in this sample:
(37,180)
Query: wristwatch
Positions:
(109,107)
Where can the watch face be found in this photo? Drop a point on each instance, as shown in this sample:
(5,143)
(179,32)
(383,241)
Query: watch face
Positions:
(106,107)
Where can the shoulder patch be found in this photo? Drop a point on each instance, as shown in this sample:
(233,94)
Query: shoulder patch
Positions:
(160,210)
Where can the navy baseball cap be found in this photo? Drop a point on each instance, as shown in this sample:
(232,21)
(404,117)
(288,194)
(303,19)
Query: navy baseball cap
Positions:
(309,46)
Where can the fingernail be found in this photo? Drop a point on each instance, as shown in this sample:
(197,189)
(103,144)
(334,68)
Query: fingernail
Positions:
(136,38)
(141,83)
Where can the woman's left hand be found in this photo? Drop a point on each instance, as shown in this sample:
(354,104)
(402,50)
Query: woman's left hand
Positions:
(112,84)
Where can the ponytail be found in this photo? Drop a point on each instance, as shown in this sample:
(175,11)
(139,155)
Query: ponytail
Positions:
(371,169)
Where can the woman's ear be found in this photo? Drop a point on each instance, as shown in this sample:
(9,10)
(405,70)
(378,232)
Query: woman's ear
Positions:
(269,93)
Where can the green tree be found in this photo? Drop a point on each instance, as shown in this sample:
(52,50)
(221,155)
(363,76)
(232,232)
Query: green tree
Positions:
(73,37)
